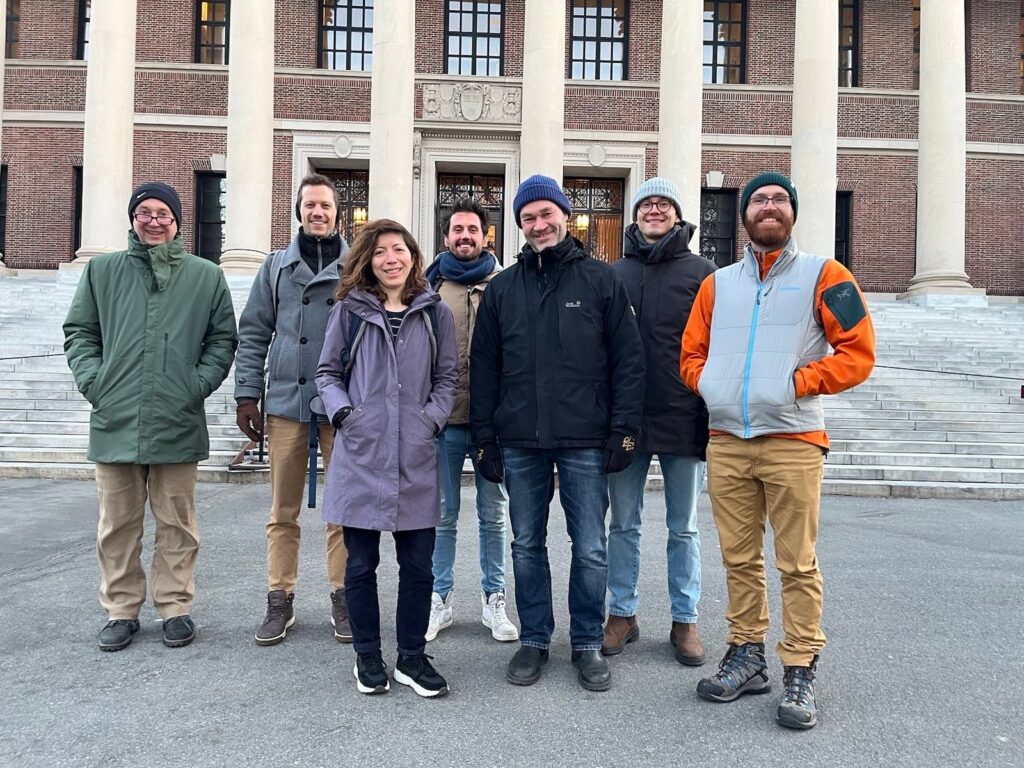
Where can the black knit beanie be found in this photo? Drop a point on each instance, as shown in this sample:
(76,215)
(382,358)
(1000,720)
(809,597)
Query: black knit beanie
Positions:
(156,190)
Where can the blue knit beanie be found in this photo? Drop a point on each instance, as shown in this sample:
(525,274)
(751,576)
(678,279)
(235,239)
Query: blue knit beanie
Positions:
(658,187)
(539,187)
(763,180)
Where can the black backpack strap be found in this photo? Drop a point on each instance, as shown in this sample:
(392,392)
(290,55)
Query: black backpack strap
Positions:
(356,329)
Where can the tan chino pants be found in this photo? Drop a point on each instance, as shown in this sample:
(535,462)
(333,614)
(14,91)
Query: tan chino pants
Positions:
(123,490)
(289,460)
(778,479)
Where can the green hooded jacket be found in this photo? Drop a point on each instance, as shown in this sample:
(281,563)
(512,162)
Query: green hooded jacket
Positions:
(149,335)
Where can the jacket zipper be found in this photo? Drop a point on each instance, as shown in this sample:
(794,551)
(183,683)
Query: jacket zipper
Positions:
(166,336)
(746,366)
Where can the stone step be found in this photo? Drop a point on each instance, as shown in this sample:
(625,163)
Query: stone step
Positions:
(223,440)
(939,421)
(975,415)
(213,418)
(965,460)
(971,448)
(921,490)
(925,474)
(73,455)
(75,471)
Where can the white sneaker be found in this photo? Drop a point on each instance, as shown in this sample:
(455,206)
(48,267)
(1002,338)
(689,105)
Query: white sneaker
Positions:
(495,618)
(442,614)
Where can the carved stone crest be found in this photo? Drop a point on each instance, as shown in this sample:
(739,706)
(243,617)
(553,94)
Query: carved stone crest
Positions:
(472,102)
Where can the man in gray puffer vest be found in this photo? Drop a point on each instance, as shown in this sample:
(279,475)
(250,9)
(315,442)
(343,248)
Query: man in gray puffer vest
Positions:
(282,329)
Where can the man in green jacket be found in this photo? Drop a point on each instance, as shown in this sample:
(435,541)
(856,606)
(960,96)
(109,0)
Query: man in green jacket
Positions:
(149,335)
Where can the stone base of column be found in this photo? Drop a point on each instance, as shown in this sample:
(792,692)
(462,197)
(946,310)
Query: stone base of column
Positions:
(241,261)
(943,289)
(6,271)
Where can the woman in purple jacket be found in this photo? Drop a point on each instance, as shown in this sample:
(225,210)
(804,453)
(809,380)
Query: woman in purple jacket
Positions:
(388,406)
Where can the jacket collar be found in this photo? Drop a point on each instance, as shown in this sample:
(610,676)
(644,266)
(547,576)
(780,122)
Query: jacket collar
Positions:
(674,245)
(161,259)
(302,273)
(568,250)
(750,263)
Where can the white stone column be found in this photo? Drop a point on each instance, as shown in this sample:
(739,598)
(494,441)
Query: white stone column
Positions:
(815,123)
(250,161)
(391,110)
(109,130)
(4,270)
(543,113)
(942,154)
(680,101)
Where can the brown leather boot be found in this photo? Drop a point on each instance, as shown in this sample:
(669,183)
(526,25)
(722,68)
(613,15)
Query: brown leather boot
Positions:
(686,642)
(617,632)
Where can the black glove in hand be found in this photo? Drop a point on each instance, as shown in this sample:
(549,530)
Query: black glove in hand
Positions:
(249,419)
(340,416)
(488,461)
(619,452)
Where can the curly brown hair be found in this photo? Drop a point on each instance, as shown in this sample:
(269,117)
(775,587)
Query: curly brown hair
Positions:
(358,271)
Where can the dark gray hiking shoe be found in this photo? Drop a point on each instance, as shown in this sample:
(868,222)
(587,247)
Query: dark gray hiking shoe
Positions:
(117,634)
(179,631)
(279,618)
(742,670)
(339,617)
(797,708)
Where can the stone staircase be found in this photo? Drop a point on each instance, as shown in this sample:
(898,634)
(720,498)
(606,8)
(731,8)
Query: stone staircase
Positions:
(908,431)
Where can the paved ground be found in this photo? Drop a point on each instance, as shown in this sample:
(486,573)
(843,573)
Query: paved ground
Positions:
(924,668)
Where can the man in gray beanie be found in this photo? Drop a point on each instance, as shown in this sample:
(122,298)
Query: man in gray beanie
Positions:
(149,336)
(556,380)
(662,276)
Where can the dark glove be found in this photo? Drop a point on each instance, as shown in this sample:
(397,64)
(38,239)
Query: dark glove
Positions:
(340,416)
(488,461)
(249,419)
(619,452)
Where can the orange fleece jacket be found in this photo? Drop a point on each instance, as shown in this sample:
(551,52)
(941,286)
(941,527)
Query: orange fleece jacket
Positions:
(851,363)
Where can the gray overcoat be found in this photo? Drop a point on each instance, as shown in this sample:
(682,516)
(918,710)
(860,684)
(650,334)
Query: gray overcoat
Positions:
(383,472)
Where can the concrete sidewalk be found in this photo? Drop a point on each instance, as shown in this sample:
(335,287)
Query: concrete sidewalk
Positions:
(923,612)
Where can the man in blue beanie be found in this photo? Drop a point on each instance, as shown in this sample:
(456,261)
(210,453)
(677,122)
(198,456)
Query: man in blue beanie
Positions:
(556,380)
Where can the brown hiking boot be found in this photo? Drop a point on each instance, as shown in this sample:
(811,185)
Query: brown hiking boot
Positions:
(617,632)
(279,617)
(686,642)
(339,617)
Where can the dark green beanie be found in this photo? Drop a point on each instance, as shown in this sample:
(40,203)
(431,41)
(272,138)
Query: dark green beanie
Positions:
(763,180)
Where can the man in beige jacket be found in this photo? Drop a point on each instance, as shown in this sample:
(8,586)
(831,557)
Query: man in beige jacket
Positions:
(460,275)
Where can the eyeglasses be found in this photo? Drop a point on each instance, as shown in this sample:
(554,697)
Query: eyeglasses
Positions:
(760,201)
(663,206)
(145,218)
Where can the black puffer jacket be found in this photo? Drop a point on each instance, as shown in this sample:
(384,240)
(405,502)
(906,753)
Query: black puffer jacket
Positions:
(556,359)
(662,282)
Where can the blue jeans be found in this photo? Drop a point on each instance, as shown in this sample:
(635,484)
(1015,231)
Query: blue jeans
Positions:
(684,478)
(491,504)
(583,490)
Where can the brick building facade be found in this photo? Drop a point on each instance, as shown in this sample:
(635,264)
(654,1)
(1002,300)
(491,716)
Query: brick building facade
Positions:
(322,122)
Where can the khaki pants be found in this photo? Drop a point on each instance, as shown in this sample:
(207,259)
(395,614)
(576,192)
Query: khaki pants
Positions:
(289,460)
(122,491)
(777,478)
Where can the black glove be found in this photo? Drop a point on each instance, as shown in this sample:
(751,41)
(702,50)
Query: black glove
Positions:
(619,452)
(340,416)
(488,461)
(249,419)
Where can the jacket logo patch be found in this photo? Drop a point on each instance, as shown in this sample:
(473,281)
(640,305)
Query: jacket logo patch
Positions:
(573,304)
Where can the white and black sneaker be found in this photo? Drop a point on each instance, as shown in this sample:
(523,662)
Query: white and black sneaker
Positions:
(419,674)
(371,673)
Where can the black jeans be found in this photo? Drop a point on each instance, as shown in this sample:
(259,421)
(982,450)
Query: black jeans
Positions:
(415,551)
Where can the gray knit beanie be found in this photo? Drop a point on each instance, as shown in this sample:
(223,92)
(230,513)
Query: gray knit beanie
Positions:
(658,187)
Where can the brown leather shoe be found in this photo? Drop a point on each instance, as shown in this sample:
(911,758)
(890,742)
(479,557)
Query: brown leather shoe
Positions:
(617,632)
(686,642)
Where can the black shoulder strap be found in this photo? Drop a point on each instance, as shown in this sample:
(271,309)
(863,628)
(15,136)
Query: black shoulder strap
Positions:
(356,329)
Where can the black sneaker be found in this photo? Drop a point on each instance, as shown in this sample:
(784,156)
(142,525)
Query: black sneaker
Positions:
(371,673)
(280,616)
(179,631)
(117,634)
(796,708)
(339,617)
(418,673)
(742,670)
